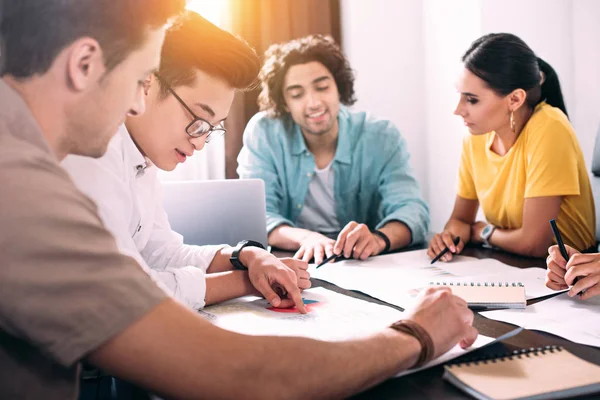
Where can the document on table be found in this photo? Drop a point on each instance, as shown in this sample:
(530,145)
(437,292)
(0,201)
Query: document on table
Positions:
(571,318)
(331,317)
(456,351)
(389,278)
(397,278)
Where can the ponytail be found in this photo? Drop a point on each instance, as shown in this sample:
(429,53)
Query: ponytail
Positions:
(505,63)
(551,91)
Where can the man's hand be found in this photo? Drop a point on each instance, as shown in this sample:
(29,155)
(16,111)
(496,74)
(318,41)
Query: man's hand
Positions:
(315,245)
(445,317)
(279,281)
(300,268)
(440,241)
(357,241)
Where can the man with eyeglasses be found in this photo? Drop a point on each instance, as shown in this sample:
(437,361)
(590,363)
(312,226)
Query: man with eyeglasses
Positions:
(187,101)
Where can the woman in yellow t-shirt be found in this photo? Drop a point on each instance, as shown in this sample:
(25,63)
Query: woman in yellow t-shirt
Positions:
(521,162)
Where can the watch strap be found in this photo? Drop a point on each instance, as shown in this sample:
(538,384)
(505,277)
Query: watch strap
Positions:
(235,256)
(485,236)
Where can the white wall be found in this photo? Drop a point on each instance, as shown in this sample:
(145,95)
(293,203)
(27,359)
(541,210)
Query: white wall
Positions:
(387,60)
(449,29)
(550,35)
(409,75)
(586,74)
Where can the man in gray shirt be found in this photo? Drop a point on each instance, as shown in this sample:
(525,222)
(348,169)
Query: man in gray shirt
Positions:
(73,69)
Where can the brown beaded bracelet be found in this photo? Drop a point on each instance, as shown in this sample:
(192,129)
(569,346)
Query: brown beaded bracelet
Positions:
(415,330)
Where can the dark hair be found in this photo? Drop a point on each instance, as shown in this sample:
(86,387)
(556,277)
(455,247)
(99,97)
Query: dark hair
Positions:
(506,63)
(280,57)
(194,43)
(35,31)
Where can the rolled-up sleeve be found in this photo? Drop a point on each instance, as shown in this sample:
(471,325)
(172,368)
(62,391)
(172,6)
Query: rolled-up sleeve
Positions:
(179,266)
(399,189)
(258,160)
(186,284)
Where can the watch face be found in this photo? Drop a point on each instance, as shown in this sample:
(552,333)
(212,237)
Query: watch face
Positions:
(486,231)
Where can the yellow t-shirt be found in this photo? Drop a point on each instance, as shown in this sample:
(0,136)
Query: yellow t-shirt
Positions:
(545,160)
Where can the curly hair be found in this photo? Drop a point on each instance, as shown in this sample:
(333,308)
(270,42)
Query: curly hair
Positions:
(280,57)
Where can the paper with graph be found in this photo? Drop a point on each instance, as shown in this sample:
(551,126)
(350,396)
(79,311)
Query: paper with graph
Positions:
(331,316)
(396,278)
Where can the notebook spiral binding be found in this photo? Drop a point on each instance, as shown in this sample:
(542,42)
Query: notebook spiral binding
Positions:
(496,358)
(481,284)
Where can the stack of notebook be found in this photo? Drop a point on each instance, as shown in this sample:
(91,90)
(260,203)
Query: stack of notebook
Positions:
(488,294)
(535,374)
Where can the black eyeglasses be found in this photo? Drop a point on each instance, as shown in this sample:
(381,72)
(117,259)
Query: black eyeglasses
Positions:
(199,126)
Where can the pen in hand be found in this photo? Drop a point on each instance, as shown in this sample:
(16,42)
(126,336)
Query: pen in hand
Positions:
(446,249)
(561,247)
(328,259)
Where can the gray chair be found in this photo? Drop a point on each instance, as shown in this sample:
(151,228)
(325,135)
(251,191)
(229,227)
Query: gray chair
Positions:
(596,182)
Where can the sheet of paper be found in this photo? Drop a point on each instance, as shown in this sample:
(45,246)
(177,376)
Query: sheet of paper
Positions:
(416,257)
(456,351)
(396,278)
(571,318)
(331,316)
(389,278)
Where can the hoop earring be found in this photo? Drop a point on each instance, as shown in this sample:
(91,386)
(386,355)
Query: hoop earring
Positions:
(512,121)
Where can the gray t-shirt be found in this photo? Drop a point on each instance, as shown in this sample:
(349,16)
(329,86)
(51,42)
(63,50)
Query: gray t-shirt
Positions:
(65,289)
(319,214)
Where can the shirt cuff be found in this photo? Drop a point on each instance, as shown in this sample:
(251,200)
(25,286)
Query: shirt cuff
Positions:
(189,286)
(204,255)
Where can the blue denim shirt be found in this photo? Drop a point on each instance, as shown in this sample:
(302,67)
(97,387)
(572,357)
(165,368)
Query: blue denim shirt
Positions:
(374,183)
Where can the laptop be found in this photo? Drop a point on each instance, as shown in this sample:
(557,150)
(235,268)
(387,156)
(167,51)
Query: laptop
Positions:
(217,211)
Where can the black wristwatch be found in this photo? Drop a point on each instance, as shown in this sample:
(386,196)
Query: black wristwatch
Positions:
(235,256)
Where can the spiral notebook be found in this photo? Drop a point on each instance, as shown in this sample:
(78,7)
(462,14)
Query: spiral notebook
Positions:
(488,294)
(535,374)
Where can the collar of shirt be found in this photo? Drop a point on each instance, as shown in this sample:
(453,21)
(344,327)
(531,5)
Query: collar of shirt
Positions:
(138,163)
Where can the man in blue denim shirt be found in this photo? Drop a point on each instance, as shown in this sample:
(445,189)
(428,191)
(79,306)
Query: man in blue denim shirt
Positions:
(337,181)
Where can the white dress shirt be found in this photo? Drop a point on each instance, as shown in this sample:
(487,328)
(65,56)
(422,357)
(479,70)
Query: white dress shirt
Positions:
(125,186)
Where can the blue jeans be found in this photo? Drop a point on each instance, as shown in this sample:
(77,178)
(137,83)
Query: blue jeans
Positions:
(96,385)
